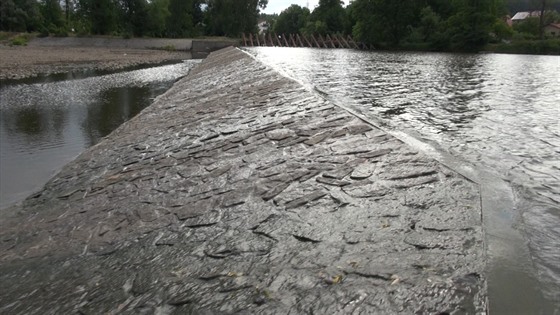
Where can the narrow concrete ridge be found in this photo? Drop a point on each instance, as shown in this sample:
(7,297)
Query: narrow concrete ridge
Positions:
(239,191)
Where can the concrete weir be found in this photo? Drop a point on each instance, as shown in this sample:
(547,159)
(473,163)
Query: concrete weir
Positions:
(240,191)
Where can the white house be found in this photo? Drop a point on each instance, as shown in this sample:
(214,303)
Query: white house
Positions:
(520,16)
(552,30)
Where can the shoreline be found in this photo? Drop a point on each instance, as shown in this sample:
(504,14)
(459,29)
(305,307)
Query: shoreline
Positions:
(23,62)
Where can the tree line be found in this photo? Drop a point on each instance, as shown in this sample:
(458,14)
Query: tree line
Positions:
(154,18)
(444,25)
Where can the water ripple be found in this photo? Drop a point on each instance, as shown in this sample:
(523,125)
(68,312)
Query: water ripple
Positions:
(498,111)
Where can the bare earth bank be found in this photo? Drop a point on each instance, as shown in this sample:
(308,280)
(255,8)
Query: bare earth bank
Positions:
(28,61)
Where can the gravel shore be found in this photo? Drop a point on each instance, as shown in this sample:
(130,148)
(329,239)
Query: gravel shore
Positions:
(28,61)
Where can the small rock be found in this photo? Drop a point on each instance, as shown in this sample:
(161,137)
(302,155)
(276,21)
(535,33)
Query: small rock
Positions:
(280,134)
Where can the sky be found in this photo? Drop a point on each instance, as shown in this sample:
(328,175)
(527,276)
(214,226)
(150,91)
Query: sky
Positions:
(276,6)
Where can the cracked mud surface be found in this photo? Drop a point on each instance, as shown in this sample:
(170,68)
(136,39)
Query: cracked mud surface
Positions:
(240,191)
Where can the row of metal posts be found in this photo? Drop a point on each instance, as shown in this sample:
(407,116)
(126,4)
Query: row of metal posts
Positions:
(297,40)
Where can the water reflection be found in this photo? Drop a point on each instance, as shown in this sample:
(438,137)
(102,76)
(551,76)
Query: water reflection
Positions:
(497,111)
(103,116)
(46,124)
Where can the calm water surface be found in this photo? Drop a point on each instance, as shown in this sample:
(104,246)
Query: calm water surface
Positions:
(498,112)
(46,124)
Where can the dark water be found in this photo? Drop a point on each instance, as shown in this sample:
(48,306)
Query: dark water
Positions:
(47,123)
(498,112)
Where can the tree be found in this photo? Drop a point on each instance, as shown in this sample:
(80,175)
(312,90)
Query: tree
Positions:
(20,15)
(384,22)
(67,4)
(97,16)
(331,14)
(291,20)
(181,20)
(432,28)
(470,26)
(133,16)
(52,15)
(232,17)
(158,12)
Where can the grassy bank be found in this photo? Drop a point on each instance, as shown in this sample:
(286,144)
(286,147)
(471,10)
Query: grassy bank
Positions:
(535,47)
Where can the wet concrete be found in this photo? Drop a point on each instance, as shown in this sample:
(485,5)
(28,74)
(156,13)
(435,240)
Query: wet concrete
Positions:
(240,191)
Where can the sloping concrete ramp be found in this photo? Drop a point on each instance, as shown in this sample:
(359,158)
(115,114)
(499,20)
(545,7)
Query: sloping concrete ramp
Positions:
(239,191)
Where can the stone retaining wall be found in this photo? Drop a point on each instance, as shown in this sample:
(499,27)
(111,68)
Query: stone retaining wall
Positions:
(239,190)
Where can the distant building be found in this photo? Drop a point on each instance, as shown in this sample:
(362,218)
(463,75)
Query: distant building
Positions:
(552,30)
(520,16)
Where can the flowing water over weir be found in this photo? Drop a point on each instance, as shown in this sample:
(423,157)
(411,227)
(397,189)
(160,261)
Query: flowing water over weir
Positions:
(46,122)
(498,112)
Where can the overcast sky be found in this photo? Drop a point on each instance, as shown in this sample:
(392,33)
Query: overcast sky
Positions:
(276,6)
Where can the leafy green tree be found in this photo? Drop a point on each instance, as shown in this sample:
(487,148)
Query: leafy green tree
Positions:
(133,16)
(291,20)
(384,22)
(20,15)
(431,31)
(158,12)
(67,9)
(528,26)
(331,14)
(470,26)
(97,16)
(52,15)
(184,15)
(13,18)
(444,8)
(232,17)
(365,26)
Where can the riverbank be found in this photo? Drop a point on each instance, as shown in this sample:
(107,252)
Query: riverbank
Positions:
(19,62)
(239,190)
(52,55)
(527,47)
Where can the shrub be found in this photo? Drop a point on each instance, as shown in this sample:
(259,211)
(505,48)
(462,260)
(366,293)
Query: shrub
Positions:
(4,35)
(169,48)
(20,40)
(551,46)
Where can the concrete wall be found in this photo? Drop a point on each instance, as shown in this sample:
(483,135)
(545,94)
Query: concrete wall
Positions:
(209,46)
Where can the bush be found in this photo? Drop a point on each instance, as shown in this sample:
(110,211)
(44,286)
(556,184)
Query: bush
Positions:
(540,47)
(20,40)
(4,35)
(61,33)
(517,36)
(44,32)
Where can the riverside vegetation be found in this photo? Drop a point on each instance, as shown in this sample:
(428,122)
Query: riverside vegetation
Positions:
(435,25)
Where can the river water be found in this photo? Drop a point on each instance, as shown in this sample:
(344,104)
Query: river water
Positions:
(46,122)
(498,112)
